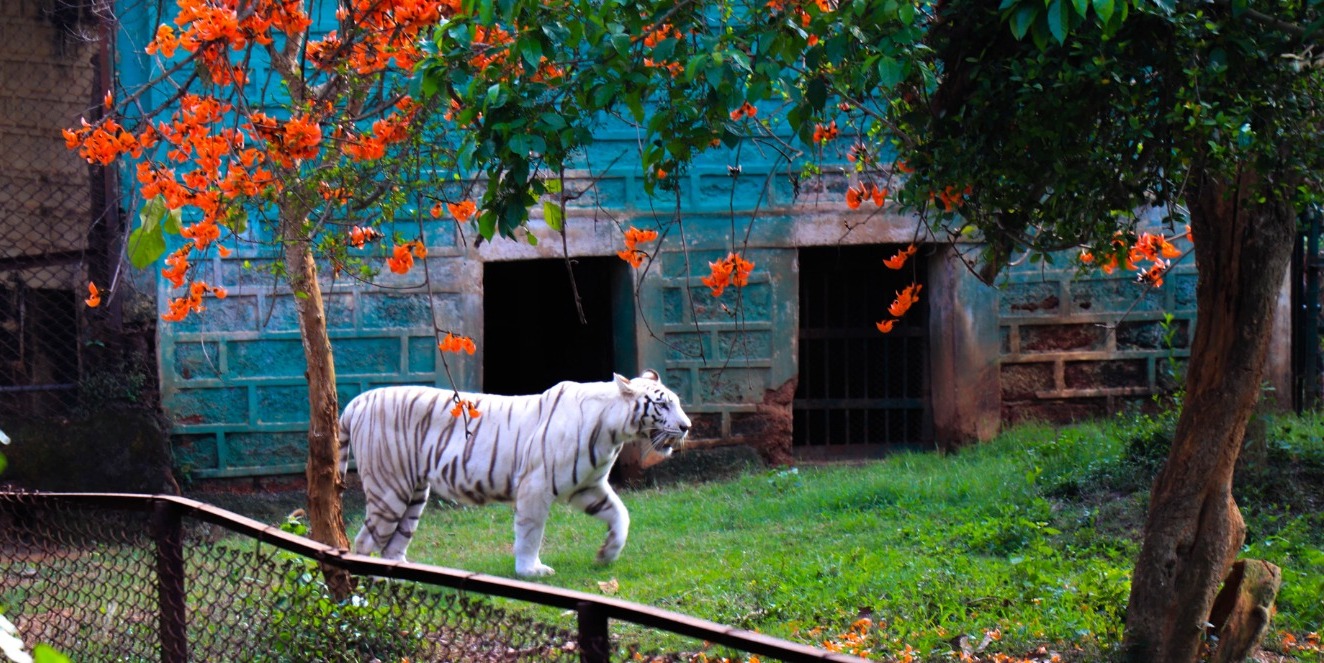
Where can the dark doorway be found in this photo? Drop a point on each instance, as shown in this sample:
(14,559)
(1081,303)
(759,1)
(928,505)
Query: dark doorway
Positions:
(532,335)
(861,392)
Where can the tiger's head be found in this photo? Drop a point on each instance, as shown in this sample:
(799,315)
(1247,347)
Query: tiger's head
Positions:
(661,418)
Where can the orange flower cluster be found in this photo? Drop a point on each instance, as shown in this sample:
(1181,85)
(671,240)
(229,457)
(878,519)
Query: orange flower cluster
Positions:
(389,32)
(866,191)
(777,6)
(731,270)
(457,344)
(951,197)
(106,141)
(462,211)
(385,132)
(359,236)
(899,260)
(298,139)
(1310,644)
(202,233)
(674,68)
(396,28)
(1154,248)
(213,28)
(746,110)
(823,134)
(180,307)
(402,256)
(465,407)
(633,238)
(859,152)
(660,33)
(904,300)
(492,44)
(93,295)
(854,641)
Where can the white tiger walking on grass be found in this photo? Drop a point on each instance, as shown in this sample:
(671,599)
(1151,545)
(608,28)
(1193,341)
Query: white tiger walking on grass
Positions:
(533,450)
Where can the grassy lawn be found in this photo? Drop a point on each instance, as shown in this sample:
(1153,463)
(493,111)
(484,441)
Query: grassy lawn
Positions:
(1008,547)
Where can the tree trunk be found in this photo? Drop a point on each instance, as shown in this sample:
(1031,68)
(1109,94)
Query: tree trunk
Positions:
(1193,529)
(325,513)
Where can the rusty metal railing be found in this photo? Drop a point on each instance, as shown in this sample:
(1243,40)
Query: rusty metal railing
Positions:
(69,562)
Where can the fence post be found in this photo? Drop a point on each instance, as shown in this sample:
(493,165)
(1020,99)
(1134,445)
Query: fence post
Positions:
(593,643)
(168,530)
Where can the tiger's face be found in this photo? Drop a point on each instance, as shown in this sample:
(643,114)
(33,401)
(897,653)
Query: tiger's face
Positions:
(661,418)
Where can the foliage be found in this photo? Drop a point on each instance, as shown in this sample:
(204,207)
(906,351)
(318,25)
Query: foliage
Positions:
(369,623)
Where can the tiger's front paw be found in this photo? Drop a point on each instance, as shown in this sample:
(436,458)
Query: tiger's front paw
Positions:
(609,552)
(534,570)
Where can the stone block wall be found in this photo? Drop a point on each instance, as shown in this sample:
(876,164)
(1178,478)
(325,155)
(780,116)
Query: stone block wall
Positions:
(1080,345)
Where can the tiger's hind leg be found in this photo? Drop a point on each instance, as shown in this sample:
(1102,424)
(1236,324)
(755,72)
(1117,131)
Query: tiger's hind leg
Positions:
(404,531)
(390,522)
(601,502)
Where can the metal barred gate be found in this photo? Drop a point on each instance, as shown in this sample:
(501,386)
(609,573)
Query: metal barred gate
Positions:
(860,392)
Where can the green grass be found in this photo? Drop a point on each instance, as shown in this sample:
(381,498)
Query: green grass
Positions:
(1031,537)
(928,547)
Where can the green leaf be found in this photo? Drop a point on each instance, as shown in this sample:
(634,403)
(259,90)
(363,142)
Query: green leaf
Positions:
(1059,20)
(551,213)
(487,224)
(530,50)
(146,245)
(552,186)
(235,219)
(817,94)
(552,122)
(1104,8)
(621,42)
(48,654)
(890,72)
(1081,7)
(173,220)
(430,82)
(152,212)
(1023,19)
(300,294)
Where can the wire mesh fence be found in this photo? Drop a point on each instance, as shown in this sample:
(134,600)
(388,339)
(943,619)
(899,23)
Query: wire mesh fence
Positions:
(55,222)
(138,578)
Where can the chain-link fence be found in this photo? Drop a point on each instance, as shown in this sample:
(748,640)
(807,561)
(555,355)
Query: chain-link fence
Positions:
(56,223)
(138,578)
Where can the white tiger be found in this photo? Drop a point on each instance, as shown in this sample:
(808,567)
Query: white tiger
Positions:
(531,450)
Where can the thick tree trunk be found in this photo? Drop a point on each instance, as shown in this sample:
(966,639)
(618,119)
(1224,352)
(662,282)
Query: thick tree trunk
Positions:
(325,513)
(1194,529)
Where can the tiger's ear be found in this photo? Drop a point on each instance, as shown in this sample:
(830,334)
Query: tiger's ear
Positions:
(650,374)
(623,382)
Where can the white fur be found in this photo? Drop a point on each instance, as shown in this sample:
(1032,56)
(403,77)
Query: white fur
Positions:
(530,450)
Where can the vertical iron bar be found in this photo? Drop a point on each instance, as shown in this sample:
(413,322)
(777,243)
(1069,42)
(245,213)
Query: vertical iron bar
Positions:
(1311,347)
(168,530)
(593,647)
